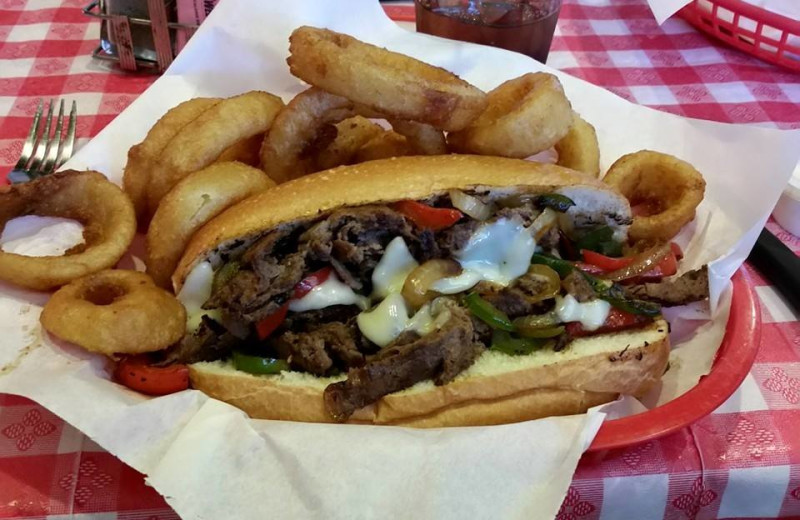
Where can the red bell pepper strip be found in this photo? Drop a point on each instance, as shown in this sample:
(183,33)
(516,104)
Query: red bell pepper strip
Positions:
(316,278)
(606,263)
(267,326)
(428,217)
(596,263)
(136,373)
(590,268)
(616,320)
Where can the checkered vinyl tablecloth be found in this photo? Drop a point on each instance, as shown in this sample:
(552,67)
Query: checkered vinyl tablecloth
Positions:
(741,461)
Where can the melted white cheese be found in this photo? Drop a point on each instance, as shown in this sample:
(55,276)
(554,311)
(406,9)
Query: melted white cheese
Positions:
(386,321)
(194,293)
(498,252)
(330,292)
(430,317)
(456,284)
(393,268)
(591,314)
(389,319)
(422,322)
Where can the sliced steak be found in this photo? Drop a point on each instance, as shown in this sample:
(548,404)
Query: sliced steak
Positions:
(352,240)
(482,332)
(275,267)
(309,320)
(356,238)
(345,275)
(314,351)
(426,246)
(525,214)
(521,298)
(453,239)
(341,341)
(275,244)
(255,294)
(509,300)
(209,342)
(562,341)
(303,351)
(578,286)
(690,287)
(550,239)
(440,355)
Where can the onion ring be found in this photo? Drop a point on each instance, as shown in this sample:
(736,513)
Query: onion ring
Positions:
(142,156)
(385,145)
(290,146)
(115,312)
(105,211)
(196,199)
(200,143)
(390,83)
(351,134)
(578,150)
(246,151)
(670,187)
(525,116)
(295,145)
(409,138)
(422,139)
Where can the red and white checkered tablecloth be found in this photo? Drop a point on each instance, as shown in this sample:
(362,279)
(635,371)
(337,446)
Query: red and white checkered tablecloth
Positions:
(741,461)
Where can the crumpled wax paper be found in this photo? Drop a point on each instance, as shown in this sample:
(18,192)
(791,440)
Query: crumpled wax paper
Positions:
(210,461)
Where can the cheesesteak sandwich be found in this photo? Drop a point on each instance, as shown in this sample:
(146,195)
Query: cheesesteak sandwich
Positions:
(426,291)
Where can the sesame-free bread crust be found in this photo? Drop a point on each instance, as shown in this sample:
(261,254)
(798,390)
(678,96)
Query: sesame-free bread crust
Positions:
(389,180)
(497,389)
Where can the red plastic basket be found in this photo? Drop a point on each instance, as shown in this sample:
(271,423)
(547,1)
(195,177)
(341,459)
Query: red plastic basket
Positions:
(764,34)
(734,358)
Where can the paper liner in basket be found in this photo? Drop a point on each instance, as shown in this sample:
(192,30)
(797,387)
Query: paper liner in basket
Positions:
(210,461)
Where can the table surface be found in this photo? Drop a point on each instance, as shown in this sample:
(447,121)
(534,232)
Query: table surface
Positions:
(741,461)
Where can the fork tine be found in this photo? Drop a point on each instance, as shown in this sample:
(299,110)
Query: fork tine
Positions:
(54,144)
(69,141)
(27,147)
(44,139)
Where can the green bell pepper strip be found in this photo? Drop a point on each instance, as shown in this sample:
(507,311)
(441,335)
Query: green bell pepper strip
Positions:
(545,332)
(224,275)
(615,295)
(634,306)
(555,201)
(504,342)
(488,313)
(257,364)
(605,289)
(562,267)
(600,239)
(536,321)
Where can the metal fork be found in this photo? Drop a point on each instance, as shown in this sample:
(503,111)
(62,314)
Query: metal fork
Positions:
(44,153)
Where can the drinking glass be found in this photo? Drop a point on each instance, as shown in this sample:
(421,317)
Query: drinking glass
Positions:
(524,26)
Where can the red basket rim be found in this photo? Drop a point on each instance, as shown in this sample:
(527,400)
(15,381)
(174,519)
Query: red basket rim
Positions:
(758,14)
(732,363)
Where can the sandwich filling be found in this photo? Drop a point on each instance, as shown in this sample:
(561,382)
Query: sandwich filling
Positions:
(391,295)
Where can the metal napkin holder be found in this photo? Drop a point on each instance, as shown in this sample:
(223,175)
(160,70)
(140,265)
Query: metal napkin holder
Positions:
(138,34)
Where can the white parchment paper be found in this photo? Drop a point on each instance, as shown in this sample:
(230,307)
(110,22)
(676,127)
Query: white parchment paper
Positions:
(210,461)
